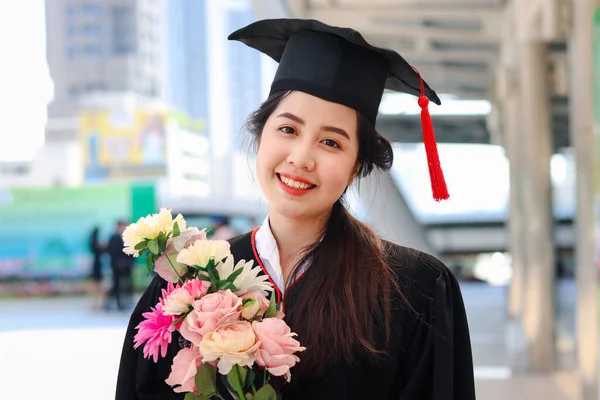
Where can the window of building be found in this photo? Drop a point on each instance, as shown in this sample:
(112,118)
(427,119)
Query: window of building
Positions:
(91,9)
(92,30)
(123,27)
(91,50)
(95,87)
(72,52)
(74,91)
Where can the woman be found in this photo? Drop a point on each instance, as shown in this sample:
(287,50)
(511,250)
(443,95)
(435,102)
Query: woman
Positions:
(379,321)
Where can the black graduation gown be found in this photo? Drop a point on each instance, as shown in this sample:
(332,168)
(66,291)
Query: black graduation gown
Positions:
(430,357)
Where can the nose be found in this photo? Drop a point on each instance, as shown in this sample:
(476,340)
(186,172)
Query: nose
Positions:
(302,156)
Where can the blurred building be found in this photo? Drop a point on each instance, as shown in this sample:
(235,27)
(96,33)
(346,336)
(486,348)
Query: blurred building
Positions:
(102,46)
(185,47)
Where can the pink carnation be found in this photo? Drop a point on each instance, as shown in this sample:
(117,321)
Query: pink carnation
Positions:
(180,300)
(277,346)
(209,312)
(197,288)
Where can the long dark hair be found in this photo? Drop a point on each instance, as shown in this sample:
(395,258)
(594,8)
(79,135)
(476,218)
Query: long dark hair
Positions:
(349,282)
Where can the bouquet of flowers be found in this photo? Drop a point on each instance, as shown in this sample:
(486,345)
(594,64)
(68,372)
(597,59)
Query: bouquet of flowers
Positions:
(236,341)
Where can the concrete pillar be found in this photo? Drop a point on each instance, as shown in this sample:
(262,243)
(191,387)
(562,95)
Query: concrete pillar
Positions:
(582,135)
(507,89)
(517,218)
(539,312)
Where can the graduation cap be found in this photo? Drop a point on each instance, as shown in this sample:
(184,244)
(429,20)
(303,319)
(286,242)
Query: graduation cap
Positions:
(338,65)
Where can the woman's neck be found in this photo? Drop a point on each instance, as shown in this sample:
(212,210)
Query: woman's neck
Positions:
(293,235)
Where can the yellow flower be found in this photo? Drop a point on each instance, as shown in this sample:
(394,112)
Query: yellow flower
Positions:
(149,227)
(201,251)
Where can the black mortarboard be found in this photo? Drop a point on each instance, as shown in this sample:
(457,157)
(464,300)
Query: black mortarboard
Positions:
(338,65)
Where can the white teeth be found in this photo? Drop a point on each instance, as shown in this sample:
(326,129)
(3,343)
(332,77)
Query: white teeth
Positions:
(295,184)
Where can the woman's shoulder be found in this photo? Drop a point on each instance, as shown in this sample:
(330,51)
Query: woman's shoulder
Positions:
(416,269)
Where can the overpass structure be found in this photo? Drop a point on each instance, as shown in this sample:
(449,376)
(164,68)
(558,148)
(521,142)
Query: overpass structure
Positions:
(532,60)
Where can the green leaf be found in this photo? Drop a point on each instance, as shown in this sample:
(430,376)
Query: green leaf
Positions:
(225,383)
(145,251)
(265,393)
(249,396)
(213,274)
(272,310)
(140,245)
(232,376)
(190,396)
(248,302)
(150,263)
(224,285)
(176,229)
(206,380)
(153,246)
(235,274)
(251,378)
(162,241)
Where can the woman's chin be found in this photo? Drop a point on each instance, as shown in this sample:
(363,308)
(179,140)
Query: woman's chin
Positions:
(298,210)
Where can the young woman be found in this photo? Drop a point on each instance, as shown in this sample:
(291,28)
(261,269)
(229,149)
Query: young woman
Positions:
(379,321)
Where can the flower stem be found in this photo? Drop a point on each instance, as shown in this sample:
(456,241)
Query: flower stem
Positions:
(238,382)
(174,270)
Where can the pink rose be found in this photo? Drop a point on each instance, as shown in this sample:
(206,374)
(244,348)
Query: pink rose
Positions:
(184,369)
(209,312)
(181,299)
(168,268)
(277,346)
(230,344)
(254,304)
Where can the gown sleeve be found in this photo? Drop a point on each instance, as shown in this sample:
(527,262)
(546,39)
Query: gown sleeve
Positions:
(140,378)
(437,362)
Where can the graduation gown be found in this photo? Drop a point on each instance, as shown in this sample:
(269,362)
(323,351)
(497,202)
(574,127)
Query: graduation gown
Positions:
(430,353)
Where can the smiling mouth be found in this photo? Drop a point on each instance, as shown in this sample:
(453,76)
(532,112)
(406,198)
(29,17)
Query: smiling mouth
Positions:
(295,184)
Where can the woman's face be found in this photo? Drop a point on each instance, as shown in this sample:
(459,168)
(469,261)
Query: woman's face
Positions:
(307,155)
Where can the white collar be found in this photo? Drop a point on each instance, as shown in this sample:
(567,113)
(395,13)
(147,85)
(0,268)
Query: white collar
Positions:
(267,249)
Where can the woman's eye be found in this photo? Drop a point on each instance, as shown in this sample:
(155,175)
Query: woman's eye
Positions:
(331,142)
(287,129)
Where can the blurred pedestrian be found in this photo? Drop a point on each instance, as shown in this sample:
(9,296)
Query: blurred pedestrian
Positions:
(223,229)
(122,268)
(96,291)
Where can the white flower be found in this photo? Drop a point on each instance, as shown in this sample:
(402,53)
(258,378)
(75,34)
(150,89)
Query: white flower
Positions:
(201,251)
(149,227)
(248,280)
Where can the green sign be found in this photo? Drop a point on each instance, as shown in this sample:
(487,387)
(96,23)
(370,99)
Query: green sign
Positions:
(44,232)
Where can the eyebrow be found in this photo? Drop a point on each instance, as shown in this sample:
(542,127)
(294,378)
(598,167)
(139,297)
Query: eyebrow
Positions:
(327,128)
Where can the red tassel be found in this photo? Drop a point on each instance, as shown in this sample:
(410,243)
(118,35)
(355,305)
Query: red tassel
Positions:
(438,183)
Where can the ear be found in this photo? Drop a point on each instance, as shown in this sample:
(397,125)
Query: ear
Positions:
(355,172)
